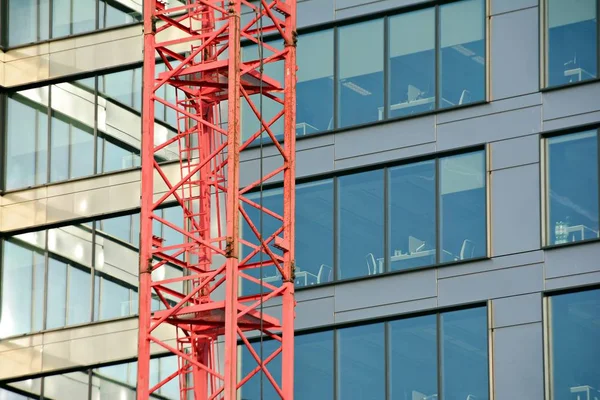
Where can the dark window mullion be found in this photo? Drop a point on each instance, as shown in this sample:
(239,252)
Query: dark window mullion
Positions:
(437,56)
(336,77)
(336,230)
(438,224)
(440,338)
(386,67)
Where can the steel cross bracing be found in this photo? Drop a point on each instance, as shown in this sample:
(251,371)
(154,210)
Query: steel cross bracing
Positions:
(204,309)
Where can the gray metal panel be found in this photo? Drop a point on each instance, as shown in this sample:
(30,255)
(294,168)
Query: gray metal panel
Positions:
(353,8)
(387,310)
(385,137)
(496,106)
(573,281)
(572,260)
(489,128)
(503,6)
(489,285)
(581,119)
(571,101)
(314,313)
(385,156)
(313,12)
(518,362)
(516,210)
(385,290)
(517,310)
(515,152)
(513,260)
(314,161)
(515,69)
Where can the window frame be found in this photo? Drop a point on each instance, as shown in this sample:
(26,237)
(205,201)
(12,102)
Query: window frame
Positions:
(544,47)
(4,43)
(485,149)
(547,331)
(544,184)
(385,17)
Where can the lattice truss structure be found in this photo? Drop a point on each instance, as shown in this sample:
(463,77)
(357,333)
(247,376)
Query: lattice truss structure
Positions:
(217,301)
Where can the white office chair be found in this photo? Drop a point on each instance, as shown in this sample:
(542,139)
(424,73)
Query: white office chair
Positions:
(325,274)
(371,264)
(467,250)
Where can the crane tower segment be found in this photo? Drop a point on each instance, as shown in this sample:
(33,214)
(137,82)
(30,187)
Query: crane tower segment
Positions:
(203,287)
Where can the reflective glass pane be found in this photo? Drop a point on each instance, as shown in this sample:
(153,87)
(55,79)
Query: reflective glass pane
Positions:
(314,233)
(112,383)
(572,41)
(59,150)
(22,17)
(61,18)
(259,387)
(572,184)
(118,86)
(462,207)
(361,362)
(39,276)
(114,13)
(31,389)
(17,280)
(313,366)
(273,201)
(413,358)
(117,157)
(74,386)
(464,354)
(114,299)
(574,347)
(26,144)
(82,152)
(360,224)
(314,90)
(119,227)
(412,215)
(462,53)
(84,16)
(57,294)
(360,86)
(411,63)
(79,295)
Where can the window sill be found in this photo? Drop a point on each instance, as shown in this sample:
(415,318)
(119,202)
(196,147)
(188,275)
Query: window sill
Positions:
(392,273)
(570,244)
(568,85)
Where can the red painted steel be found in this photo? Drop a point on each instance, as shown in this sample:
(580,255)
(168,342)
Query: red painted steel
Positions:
(204,309)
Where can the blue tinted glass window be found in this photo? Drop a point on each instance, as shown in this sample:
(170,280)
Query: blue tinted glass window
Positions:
(412,190)
(572,184)
(572,41)
(26,144)
(17,278)
(313,363)
(259,386)
(57,294)
(59,148)
(61,18)
(272,200)
(360,362)
(411,63)
(82,152)
(462,207)
(360,86)
(413,358)
(574,348)
(314,233)
(360,232)
(462,53)
(464,351)
(84,16)
(22,15)
(114,300)
(79,292)
(314,90)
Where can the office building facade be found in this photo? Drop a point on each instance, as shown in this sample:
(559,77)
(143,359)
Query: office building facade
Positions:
(447,200)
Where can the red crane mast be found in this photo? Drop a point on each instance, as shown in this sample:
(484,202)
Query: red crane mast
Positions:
(223,248)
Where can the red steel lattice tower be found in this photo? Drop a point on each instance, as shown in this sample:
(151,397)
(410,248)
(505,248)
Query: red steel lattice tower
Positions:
(204,309)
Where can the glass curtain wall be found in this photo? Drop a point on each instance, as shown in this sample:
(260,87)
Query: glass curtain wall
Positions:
(424,213)
(571,41)
(74,274)
(54,133)
(31,21)
(440,356)
(572,187)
